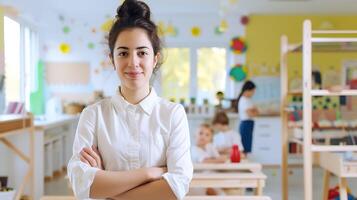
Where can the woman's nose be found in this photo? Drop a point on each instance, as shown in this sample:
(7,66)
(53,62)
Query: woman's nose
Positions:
(133,60)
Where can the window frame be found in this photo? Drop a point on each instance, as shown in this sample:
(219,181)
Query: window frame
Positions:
(229,89)
(34,55)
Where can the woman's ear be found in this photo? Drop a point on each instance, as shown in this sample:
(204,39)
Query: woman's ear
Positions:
(156,60)
(111,60)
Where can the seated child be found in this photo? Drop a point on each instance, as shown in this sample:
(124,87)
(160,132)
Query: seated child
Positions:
(205,152)
(225,137)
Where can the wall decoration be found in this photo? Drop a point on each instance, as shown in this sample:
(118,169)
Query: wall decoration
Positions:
(64,48)
(217,31)
(66,29)
(195,31)
(37,98)
(91,45)
(326,25)
(244,20)
(233,1)
(67,73)
(61,18)
(167,30)
(223,25)
(238,45)
(171,30)
(107,25)
(45,48)
(237,73)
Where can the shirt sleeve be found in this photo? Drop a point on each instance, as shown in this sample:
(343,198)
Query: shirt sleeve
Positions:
(80,174)
(179,164)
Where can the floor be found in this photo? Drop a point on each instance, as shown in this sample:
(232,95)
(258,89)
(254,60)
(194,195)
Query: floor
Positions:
(272,188)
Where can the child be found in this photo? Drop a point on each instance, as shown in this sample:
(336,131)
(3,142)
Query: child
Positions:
(247,111)
(204,151)
(226,137)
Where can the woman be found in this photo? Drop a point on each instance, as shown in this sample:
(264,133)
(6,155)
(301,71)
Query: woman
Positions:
(136,144)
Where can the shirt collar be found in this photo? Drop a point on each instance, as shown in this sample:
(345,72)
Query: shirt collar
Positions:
(147,104)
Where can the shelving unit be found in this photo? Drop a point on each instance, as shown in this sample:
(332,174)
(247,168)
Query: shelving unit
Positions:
(285,49)
(310,44)
(308,93)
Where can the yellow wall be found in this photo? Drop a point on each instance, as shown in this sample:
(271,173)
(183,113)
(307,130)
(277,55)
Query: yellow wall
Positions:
(263,38)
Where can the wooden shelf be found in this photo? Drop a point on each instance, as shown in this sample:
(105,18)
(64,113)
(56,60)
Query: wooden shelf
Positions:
(332,40)
(333,148)
(331,93)
(327,47)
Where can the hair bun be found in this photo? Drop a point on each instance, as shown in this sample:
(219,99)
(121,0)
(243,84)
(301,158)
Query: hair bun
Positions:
(133,9)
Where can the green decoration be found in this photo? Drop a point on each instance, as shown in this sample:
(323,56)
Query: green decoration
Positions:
(218,30)
(91,45)
(37,100)
(66,29)
(237,73)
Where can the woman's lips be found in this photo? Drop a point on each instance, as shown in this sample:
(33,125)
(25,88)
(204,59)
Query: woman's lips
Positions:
(133,75)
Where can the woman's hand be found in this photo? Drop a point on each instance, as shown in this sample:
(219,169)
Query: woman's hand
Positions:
(155,173)
(92,157)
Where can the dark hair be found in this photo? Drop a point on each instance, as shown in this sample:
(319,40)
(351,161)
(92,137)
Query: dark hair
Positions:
(220,118)
(135,14)
(248,85)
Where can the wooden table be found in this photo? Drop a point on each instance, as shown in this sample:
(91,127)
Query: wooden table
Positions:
(20,124)
(334,163)
(229,175)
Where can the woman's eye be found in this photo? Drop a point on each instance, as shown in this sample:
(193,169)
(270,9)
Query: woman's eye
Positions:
(142,53)
(121,54)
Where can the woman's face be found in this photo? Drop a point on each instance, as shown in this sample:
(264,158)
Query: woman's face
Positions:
(134,58)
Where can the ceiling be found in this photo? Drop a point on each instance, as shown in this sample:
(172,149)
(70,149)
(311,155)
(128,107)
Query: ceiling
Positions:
(96,10)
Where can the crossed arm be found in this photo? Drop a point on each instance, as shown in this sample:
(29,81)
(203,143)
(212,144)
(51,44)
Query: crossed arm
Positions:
(143,183)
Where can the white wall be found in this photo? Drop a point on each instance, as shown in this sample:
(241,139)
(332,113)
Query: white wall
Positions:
(107,80)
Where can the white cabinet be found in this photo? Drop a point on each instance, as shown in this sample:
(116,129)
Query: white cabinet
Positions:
(266,141)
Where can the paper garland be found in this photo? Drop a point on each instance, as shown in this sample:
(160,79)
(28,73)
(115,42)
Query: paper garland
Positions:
(238,45)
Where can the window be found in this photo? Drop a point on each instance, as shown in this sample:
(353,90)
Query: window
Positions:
(193,72)
(211,73)
(21,57)
(12,60)
(175,74)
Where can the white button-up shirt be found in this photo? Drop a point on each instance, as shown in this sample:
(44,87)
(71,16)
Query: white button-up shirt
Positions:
(153,133)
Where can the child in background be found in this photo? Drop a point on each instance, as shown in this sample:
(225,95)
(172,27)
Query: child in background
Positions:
(247,111)
(226,137)
(204,151)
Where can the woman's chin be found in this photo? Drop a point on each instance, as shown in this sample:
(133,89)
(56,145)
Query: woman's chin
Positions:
(135,84)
